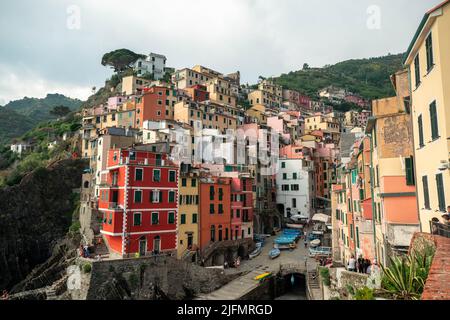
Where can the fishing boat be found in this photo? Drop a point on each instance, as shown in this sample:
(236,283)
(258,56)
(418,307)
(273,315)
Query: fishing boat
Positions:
(294,226)
(315,243)
(263,276)
(256,252)
(274,253)
(320,251)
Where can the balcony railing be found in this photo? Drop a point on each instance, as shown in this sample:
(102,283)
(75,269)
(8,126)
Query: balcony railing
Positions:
(114,206)
(440,229)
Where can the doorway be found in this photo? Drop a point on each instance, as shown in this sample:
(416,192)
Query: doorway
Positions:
(190,240)
(157,245)
(142,246)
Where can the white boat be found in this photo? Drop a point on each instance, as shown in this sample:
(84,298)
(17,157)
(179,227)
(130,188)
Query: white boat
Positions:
(294,226)
(298,217)
(255,253)
(315,243)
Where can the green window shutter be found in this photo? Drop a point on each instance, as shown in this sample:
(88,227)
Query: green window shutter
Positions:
(156,175)
(211,208)
(434,121)
(426,194)
(171,217)
(183,182)
(211,193)
(171,176)
(409,164)
(183,219)
(155,218)
(440,191)
(193,182)
(220,208)
(429,49)
(417,70)
(137,219)
(139,174)
(357,237)
(194,218)
(137,196)
(337,214)
(351,231)
(171,196)
(220,194)
(420,124)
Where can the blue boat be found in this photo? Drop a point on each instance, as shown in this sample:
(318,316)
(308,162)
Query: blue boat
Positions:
(274,253)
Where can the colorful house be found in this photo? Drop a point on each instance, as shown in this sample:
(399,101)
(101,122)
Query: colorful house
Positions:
(139,202)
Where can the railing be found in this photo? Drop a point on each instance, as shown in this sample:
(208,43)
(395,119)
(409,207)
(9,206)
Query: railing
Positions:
(114,206)
(440,229)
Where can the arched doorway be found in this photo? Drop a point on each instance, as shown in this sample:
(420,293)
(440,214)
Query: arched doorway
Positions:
(142,246)
(242,252)
(157,244)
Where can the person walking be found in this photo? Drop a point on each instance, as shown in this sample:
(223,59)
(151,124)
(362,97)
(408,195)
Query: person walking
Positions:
(352,264)
(360,264)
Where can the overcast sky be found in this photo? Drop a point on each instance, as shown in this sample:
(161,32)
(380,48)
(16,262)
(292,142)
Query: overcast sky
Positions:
(45,48)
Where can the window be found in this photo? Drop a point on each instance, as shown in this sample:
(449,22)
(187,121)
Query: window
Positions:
(110,218)
(156,175)
(434,121)
(211,193)
(283,165)
(429,48)
(137,196)
(420,124)
(294,187)
(213,233)
(426,194)
(220,208)
(155,218)
(183,182)
(171,217)
(137,219)
(409,164)
(156,196)
(132,155)
(417,70)
(294,203)
(238,213)
(284,176)
(194,218)
(285,187)
(211,208)
(139,174)
(351,231)
(171,196)
(171,176)
(440,191)
(294,176)
(357,237)
(193,182)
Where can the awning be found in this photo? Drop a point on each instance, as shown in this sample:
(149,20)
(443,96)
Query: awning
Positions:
(320,217)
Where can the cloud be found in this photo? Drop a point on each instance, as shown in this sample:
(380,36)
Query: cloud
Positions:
(16,84)
(256,37)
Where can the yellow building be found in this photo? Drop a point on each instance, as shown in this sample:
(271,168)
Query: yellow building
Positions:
(189,214)
(132,84)
(428,61)
(220,91)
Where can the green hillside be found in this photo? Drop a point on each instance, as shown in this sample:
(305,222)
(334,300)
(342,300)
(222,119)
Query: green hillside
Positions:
(367,77)
(19,116)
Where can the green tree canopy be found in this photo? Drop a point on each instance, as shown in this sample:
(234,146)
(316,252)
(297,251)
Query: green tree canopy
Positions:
(60,111)
(120,59)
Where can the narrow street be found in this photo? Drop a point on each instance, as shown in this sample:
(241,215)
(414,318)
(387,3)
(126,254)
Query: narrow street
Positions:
(261,264)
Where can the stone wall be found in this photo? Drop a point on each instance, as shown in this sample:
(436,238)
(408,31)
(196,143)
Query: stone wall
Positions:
(152,278)
(354,279)
(437,286)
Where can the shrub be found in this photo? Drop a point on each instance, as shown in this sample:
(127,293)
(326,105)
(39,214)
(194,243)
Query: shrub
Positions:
(364,294)
(350,289)
(75,227)
(87,268)
(325,274)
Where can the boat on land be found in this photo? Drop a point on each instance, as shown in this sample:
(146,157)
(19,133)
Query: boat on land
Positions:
(320,251)
(315,243)
(256,252)
(274,253)
(263,276)
(294,226)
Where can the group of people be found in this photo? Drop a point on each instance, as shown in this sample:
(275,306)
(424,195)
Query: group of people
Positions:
(83,251)
(362,265)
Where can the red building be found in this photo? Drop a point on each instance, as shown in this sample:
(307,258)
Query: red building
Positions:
(198,93)
(241,208)
(139,202)
(226,209)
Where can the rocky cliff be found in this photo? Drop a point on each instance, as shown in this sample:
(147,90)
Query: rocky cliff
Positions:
(34,216)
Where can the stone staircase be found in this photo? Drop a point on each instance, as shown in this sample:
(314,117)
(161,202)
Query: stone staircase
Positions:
(314,288)
(51,294)
(237,288)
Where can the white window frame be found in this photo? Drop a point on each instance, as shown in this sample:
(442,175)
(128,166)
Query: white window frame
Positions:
(174,196)
(175,172)
(134,196)
(174,217)
(151,218)
(139,213)
(153,178)
(156,199)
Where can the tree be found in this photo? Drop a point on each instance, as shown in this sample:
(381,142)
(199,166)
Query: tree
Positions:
(305,66)
(60,111)
(120,59)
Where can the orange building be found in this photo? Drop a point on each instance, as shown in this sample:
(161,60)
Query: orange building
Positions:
(215,210)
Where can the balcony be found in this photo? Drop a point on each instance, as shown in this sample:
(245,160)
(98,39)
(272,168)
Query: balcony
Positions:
(114,206)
